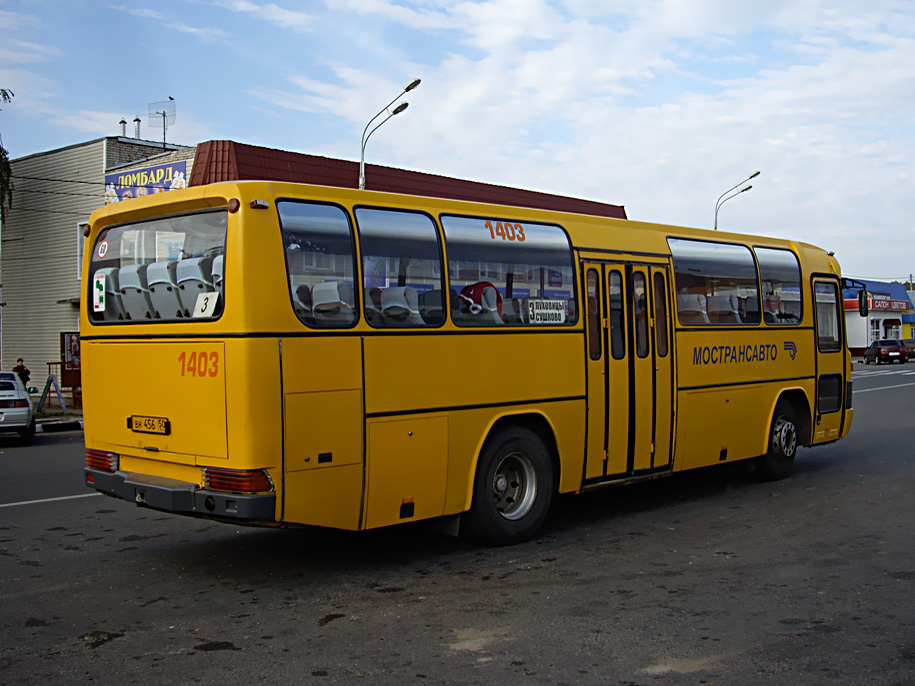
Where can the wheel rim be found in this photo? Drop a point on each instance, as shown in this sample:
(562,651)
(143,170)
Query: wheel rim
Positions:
(514,486)
(784,436)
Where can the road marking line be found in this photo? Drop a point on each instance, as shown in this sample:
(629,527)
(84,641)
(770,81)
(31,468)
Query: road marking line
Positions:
(882,388)
(49,500)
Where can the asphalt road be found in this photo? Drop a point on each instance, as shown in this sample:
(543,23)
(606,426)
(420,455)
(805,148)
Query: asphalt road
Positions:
(705,578)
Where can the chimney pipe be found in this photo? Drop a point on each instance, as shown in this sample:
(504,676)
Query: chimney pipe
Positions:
(123,124)
(136,127)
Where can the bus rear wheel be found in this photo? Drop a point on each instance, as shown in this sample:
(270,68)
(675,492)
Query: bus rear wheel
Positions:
(513,488)
(778,462)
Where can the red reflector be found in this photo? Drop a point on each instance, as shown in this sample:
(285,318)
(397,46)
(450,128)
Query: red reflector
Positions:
(103,460)
(236,480)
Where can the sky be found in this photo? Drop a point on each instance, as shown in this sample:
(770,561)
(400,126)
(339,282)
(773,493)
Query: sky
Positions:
(657,105)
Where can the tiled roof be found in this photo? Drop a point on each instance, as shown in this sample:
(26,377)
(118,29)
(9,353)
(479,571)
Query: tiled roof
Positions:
(230,161)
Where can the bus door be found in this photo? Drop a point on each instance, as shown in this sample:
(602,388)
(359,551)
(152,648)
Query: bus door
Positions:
(831,363)
(629,371)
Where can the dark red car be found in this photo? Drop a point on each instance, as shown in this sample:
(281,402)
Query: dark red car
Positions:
(886,350)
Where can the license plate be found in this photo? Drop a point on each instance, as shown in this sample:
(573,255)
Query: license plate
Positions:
(149,425)
(891,354)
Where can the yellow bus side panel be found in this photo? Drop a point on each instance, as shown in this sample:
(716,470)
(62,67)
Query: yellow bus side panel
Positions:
(322,364)
(407,469)
(184,382)
(323,430)
(408,373)
(325,497)
(714,420)
(254,409)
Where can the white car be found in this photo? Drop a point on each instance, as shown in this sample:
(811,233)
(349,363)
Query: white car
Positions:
(16,407)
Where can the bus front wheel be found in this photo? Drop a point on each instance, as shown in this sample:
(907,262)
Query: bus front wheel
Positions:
(513,488)
(778,462)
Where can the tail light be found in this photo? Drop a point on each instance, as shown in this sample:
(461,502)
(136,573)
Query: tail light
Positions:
(236,480)
(102,460)
(21,402)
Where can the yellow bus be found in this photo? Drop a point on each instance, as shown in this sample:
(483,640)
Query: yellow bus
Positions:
(290,355)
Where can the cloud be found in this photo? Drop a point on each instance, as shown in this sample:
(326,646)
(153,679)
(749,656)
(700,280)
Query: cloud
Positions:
(171,23)
(300,22)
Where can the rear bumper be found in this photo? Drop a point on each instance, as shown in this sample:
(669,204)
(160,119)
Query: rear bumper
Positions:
(182,497)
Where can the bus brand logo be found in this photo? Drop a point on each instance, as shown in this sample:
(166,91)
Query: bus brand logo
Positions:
(791,347)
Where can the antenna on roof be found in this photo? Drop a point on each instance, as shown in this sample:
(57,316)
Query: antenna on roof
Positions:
(166,110)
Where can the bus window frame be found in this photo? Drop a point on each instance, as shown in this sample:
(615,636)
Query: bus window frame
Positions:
(818,278)
(357,272)
(505,326)
(443,265)
(146,220)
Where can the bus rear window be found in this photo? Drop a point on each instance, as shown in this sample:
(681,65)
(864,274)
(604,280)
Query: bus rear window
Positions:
(509,273)
(168,269)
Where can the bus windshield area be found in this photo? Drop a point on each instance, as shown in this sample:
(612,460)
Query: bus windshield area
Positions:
(168,269)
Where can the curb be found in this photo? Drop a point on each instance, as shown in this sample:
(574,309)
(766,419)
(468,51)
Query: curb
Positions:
(50,426)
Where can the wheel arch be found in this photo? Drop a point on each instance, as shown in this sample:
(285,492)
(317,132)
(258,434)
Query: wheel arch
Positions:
(533,421)
(800,404)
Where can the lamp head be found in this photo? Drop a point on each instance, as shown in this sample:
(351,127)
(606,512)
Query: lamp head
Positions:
(745,189)
(754,175)
(400,108)
(415,82)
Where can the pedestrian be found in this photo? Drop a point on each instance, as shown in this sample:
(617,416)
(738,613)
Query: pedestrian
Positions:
(22,371)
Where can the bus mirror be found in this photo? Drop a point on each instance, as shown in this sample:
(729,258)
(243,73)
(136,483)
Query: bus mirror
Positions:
(862,303)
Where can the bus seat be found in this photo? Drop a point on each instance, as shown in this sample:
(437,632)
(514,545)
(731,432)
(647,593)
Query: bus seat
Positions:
(691,308)
(723,309)
(302,303)
(490,303)
(432,306)
(751,315)
(373,314)
(218,268)
(400,305)
(332,302)
(135,292)
(114,308)
(163,289)
(194,277)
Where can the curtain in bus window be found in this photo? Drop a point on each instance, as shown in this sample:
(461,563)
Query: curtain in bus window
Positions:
(509,273)
(829,333)
(402,268)
(780,275)
(716,283)
(319,263)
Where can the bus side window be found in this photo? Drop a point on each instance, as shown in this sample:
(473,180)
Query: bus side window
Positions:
(716,283)
(402,263)
(319,263)
(509,273)
(780,274)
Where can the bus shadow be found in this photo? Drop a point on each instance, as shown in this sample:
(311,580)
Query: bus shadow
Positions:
(251,555)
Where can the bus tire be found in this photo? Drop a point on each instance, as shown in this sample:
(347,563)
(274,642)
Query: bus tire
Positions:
(778,462)
(513,488)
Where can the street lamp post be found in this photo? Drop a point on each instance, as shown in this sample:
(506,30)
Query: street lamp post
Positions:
(722,199)
(366,134)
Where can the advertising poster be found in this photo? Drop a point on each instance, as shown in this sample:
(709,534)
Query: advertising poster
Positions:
(136,183)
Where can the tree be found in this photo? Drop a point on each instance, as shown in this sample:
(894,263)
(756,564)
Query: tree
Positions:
(6,181)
